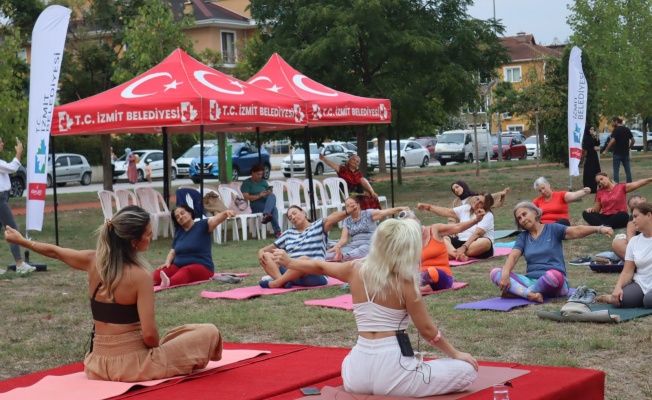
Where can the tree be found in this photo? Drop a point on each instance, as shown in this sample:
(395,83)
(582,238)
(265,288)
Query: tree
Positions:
(22,14)
(616,33)
(418,54)
(13,88)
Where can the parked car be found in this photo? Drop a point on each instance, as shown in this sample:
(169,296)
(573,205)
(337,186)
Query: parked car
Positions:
(69,168)
(155,159)
(532,146)
(243,157)
(413,154)
(429,143)
(183,162)
(512,146)
(638,140)
(460,145)
(297,162)
(517,135)
(18,182)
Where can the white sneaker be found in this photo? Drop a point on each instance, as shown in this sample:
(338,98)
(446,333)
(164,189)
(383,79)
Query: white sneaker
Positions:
(25,268)
(2,271)
(266,278)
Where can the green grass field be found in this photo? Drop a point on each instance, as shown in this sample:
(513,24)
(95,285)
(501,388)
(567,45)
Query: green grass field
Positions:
(46,319)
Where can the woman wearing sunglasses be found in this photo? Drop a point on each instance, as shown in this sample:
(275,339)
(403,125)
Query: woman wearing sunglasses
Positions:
(358,227)
(476,241)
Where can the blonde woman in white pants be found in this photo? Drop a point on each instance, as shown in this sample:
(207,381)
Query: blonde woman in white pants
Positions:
(386,296)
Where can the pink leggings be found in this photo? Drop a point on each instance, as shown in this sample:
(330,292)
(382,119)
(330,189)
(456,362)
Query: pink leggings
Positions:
(180,276)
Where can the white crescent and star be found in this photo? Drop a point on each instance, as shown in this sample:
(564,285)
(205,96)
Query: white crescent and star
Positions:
(274,88)
(128,92)
(201,77)
(298,81)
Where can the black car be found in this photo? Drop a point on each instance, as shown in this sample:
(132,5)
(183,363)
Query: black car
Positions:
(18,181)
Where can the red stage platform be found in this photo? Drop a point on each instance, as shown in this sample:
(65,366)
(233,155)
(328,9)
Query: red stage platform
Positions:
(288,368)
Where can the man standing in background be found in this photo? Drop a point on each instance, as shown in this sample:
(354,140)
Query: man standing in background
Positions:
(622,140)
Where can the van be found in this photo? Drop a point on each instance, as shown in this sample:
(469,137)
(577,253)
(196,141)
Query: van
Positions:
(459,145)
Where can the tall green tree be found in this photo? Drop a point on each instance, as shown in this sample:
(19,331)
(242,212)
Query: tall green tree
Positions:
(22,14)
(419,54)
(13,88)
(616,32)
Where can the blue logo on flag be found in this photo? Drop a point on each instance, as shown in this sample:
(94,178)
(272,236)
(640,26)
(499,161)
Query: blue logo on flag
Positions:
(41,158)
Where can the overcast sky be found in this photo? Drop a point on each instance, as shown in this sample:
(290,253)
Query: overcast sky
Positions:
(545,19)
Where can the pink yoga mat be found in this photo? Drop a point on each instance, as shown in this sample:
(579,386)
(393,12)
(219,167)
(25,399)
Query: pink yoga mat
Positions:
(255,291)
(78,387)
(498,252)
(158,288)
(345,301)
(487,377)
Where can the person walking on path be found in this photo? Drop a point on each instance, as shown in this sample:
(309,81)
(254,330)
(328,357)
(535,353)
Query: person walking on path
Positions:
(6,216)
(132,171)
(622,141)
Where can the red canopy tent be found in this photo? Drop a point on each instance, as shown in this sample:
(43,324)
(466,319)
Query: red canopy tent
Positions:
(326,106)
(180,94)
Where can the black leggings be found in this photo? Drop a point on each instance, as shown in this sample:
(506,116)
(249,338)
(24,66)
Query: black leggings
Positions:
(633,297)
(616,221)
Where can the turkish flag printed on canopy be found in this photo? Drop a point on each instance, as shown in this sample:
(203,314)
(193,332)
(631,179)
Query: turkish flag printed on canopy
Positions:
(325,105)
(180,94)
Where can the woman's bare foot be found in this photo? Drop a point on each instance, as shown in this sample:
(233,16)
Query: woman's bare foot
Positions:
(603,298)
(165,281)
(538,297)
(463,258)
(426,288)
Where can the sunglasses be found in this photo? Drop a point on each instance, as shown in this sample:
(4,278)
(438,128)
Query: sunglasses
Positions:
(406,214)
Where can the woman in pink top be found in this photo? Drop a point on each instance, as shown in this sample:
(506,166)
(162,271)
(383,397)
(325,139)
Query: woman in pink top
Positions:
(611,202)
(554,205)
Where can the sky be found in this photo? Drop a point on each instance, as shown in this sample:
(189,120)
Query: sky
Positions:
(545,19)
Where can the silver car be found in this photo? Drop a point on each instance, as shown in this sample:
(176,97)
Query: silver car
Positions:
(69,168)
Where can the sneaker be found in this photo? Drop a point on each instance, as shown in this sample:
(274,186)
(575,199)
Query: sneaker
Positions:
(267,218)
(2,271)
(277,234)
(227,279)
(25,268)
(581,261)
(266,278)
(579,293)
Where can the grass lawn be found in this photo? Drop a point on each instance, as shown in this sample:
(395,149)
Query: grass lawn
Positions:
(46,319)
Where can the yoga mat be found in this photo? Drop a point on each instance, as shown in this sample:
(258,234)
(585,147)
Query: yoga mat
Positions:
(498,251)
(159,288)
(345,301)
(607,268)
(501,234)
(506,245)
(255,291)
(487,377)
(603,313)
(77,387)
(502,304)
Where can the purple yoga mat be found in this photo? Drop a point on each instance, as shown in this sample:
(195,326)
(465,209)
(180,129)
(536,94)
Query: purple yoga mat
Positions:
(501,304)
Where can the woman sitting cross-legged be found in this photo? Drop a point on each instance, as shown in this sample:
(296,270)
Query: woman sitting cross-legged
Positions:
(611,202)
(541,245)
(634,286)
(436,273)
(554,205)
(125,344)
(386,296)
(190,259)
(306,240)
(477,241)
(358,226)
(465,194)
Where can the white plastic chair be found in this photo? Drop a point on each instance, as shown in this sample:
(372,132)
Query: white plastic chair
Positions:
(227,194)
(338,192)
(153,202)
(126,197)
(319,195)
(108,199)
(380,198)
(281,191)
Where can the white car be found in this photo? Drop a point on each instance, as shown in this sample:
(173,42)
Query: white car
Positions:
(413,154)
(638,140)
(155,159)
(532,146)
(183,162)
(297,162)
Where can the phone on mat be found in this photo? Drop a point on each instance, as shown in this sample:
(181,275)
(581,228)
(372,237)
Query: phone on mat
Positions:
(310,391)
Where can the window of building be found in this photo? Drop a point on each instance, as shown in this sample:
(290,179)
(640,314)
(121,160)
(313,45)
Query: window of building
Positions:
(512,74)
(515,128)
(22,54)
(228,47)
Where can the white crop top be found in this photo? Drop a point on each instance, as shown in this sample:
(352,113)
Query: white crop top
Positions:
(372,317)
